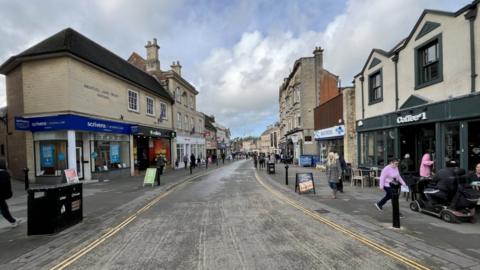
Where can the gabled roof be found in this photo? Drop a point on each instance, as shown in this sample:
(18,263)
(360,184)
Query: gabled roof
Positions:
(413,101)
(71,42)
(403,43)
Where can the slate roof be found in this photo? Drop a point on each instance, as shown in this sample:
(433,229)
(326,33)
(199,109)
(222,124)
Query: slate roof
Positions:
(70,41)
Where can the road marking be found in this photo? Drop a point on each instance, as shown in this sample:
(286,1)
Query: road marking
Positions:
(355,235)
(111,232)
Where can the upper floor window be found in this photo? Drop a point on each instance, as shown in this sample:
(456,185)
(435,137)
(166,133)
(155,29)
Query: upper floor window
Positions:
(184,99)
(177,94)
(299,120)
(179,120)
(192,124)
(375,93)
(163,111)
(200,125)
(186,123)
(192,102)
(133,100)
(428,63)
(150,106)
(297,94)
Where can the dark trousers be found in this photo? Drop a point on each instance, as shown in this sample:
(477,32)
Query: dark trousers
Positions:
(186,165)
(5,212)
(159,172)
(387,197)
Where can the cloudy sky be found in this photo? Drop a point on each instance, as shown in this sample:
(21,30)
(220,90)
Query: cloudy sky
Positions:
(235,52)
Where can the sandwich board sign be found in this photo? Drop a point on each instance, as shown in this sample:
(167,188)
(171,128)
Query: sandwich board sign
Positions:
(71,176)
(304,183)
(150,177)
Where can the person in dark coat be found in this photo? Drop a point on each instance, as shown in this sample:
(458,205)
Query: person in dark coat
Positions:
(185,161)
(160,166)
(223,158)
(475,176)
(343,167)
(5,194)
(192,160)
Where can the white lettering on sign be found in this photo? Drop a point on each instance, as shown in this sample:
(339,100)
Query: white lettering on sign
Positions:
(411,118)
(96,125)
(39,124)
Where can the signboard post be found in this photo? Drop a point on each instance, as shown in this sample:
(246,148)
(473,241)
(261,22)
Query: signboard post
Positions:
(304,182)
(150,177)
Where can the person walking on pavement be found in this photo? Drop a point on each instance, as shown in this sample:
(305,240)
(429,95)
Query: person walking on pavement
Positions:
(185,161)
(426,165)
(334,173)
(192,160)
(160,166)
(5,194)
(223,158)
(388,175)
(343,166)
(255,161)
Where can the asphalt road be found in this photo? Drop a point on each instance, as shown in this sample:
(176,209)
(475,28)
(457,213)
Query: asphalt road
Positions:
(227,220)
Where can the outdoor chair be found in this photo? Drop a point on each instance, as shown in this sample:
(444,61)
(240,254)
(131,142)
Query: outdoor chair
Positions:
(359,176)
(374,175)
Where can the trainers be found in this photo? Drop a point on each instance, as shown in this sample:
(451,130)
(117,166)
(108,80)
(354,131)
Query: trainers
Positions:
(378,207)
(16,223)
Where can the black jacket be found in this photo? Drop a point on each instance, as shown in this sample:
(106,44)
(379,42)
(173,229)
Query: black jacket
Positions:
(5,185)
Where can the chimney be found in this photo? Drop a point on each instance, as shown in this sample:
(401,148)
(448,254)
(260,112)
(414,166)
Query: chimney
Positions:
(153,63)
(177,68)
(318,53)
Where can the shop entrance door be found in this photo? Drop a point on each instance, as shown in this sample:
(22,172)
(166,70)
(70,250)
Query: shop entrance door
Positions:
(416,141)
(79,153)
(142,153)
(473,145)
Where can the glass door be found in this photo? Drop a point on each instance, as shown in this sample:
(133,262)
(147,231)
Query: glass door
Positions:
(79,154)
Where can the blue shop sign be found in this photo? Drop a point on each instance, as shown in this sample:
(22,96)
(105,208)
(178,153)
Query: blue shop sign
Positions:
(70,122)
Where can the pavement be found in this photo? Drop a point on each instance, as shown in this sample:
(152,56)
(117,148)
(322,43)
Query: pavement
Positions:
(454,246)
(104,204)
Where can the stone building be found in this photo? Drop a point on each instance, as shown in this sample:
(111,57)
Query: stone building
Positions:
(422,95)
(269,139)
(188,122)
(72,104)
(298,96)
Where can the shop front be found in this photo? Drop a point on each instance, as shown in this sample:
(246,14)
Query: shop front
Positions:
(96,148)
(448,130)
(148,143)
(330,140)
(187,146)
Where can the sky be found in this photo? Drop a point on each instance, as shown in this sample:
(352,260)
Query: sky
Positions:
(236,53)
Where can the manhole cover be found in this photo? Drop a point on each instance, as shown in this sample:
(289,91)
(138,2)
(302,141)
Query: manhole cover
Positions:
(322,211)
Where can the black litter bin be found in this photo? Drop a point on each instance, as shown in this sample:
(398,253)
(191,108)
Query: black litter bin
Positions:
(54,208)
(271,168)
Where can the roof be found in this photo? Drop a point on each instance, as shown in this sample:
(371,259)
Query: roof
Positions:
(403,43)
(72,42)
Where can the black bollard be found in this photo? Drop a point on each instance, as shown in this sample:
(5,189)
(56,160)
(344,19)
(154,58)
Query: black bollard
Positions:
(395,185)
(286,174)
(25,170)
(206,164)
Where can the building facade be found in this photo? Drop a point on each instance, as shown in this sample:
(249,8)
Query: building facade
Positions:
(269,140)
(422,95)
(298,96)
(72,104)
(210,135)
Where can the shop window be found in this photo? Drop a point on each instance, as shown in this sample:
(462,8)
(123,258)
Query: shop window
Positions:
(150,106)
(428,63)
(163,111)
(110,155)
(50,158)
(452,142)
(133,100)
(380,149)
(390,145)
(473,145)
(375,88)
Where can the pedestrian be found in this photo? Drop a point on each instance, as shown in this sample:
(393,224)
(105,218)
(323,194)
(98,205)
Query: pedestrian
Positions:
(475,176)
(426,165)
(185,161)
(389,174)
(160,166)
(334,173)
(343,166)
(255,161)
(223,158)
(199,160)
(5,194)
(192,160)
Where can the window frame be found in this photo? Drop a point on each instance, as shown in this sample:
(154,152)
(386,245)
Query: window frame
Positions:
(137,100)
(419,66)
(179,120)
(371,76)
(153,105)
(164,117)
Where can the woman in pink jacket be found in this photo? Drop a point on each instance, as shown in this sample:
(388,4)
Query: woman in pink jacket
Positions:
(426,166)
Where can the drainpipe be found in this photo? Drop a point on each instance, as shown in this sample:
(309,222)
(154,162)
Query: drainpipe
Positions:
(395,60)
(363,97)
(471,16)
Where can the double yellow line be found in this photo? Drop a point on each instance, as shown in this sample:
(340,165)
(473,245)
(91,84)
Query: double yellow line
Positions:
(385,250)
(111,232)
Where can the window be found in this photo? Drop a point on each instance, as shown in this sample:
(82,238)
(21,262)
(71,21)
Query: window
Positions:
(186,123)
(163,111)
(200,126)
(192,124)
(375,86)
(297,94)
(192,102)
(179,120)
(109,155)
(177,94)
(428,60)
(133,100)
(299,121)
(150,106)
(184,99)
(50,157)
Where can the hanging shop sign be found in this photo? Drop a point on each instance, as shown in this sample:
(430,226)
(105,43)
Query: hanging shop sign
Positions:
(70,122)
(304,182)
(332,132)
